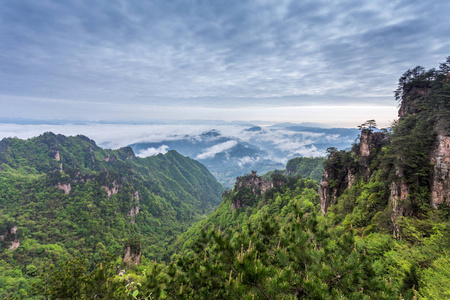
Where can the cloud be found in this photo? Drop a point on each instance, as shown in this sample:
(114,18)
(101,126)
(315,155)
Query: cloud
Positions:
(212,151)
(310,151)
(247,160)
(153,151)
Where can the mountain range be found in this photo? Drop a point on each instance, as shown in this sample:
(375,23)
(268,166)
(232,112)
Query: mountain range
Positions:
(237,150)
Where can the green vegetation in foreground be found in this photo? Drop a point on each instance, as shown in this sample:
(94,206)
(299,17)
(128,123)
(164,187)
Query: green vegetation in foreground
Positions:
(278,248)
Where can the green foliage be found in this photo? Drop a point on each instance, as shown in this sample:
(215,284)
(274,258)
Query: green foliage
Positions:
(297,256)
(278,248)
(305,167)
(435,280)
(74,279)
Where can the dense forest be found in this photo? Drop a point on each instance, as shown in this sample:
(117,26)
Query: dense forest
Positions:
(376,227)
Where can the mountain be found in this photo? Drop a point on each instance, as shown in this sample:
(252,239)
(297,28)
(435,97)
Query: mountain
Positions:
(225,157)
(64,196)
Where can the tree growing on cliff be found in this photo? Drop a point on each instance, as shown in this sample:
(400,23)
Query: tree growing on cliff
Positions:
(369,124)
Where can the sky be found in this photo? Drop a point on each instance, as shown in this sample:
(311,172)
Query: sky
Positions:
(331,62)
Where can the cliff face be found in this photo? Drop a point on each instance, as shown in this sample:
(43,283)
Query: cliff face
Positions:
(440,158)
(398,197)
(255,183)
(341,168)
(324,192)
(370,144)
(249,187)
(132,254)
(411,92)
(9,238)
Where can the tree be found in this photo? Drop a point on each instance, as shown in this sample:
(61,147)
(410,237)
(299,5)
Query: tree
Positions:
(371,124)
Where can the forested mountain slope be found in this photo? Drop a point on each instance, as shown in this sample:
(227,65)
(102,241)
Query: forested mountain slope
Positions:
(64,196)
(274,246)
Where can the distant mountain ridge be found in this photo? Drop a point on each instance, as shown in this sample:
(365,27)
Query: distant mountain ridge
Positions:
(230,154)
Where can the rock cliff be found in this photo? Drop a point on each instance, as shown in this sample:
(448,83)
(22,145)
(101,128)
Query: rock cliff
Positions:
(132,253)
(343,168)
(440,158)
(248,187)
(254,182)
(326,196)
(9,238)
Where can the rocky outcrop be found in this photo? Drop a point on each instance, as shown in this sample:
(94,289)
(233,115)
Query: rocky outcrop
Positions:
(132,254)
(440,158)
(237,203)
(11,235)
(370,142)
(326,196)
(57,156)
(249,187)
(365,142)
(135,196)
(112,189)
(110,158)
(350,178)
(14,245)
(134,209)
(258,185)
(133,212)
(343,175)
(54,152)
(65,187)
(400,206)
(410,93)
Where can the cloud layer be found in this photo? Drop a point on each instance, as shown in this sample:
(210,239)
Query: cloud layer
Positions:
(219,148)
(278,143)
